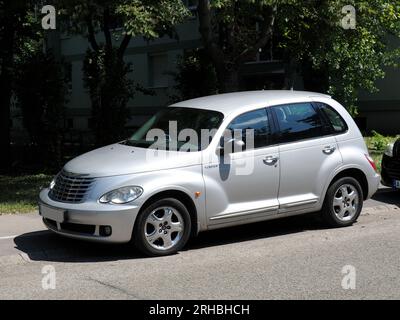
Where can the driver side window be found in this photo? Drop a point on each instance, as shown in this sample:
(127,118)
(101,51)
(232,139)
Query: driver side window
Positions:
(252,125)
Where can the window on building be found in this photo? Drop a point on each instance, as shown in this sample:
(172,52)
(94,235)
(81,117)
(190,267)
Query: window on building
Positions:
(257,121)
(158,64)
(298,121)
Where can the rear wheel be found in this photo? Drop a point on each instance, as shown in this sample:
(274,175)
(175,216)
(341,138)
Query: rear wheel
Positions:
(162,228)
(343,203)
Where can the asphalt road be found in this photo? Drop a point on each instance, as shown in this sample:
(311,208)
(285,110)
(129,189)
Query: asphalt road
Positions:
(292,258)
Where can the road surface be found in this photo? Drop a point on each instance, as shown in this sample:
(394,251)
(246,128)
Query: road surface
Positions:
(292,258)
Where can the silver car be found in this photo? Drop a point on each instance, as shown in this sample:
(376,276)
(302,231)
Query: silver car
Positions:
(215,162)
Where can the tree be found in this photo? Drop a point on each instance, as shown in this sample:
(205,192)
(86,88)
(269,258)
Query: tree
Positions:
(106,77)
(14,24)
(337,60)
(311,38)
(41,90)
(105,71)
(195,76)
(233,32)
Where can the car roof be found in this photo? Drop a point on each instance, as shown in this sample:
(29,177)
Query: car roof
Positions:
(239,101)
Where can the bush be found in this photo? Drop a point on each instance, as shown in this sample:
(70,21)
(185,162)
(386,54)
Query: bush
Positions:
(378,142)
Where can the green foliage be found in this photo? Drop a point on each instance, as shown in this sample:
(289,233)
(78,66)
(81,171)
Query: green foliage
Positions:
(106,78)
(349,59)
(150,18)
(195,76)
(378,142)
(41,88)
(309,33)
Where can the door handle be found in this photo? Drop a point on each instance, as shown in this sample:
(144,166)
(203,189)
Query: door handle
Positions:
(270,160)
(329,149)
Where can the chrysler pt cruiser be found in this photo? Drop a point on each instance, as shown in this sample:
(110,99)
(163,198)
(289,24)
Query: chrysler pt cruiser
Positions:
(296,153)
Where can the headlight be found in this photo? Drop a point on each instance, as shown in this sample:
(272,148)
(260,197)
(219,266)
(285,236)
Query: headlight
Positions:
(122,195)
(389,150)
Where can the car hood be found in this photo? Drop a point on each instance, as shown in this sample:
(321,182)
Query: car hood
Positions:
(118,159)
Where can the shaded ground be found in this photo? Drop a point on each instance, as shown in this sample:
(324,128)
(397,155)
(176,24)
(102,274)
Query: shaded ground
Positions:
(19,193)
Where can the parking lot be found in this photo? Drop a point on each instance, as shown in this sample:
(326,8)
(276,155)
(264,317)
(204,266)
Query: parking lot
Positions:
(288,258)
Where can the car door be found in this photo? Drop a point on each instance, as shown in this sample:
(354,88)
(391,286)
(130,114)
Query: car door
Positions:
(308,154)
(244,184)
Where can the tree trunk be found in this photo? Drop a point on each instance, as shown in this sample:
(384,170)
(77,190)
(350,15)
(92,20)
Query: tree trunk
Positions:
(7,45)
(226,63)
(290,73)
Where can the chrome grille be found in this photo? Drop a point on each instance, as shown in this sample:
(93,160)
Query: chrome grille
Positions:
(70,187)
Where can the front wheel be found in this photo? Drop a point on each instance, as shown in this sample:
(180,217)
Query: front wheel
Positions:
(162,228)
(343,203)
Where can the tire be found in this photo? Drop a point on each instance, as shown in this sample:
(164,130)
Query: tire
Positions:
(162,228)
(343,203)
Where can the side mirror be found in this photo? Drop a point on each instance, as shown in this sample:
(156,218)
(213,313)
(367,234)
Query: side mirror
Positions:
(233,145)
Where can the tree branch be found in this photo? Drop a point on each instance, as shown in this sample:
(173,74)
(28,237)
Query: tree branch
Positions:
(205,29)
(106,27)
(91,33)
(266,35)
(124,44)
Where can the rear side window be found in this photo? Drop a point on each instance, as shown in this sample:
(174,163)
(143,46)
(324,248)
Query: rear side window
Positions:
(298,121)
(257,122)
(336,122)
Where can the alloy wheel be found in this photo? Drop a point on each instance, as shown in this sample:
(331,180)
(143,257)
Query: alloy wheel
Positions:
(345,202)
(164,228)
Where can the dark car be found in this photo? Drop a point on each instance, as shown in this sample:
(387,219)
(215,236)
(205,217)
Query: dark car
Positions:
(391,166)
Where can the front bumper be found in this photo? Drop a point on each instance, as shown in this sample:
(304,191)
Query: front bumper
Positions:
(86,220)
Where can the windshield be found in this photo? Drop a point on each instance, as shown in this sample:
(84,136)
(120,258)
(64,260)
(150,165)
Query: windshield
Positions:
(177,128)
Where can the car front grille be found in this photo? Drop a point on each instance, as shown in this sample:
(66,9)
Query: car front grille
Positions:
(70,187)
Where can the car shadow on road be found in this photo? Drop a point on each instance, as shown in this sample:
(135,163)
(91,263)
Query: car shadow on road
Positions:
(46,246)
(387,196)
(254,231)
